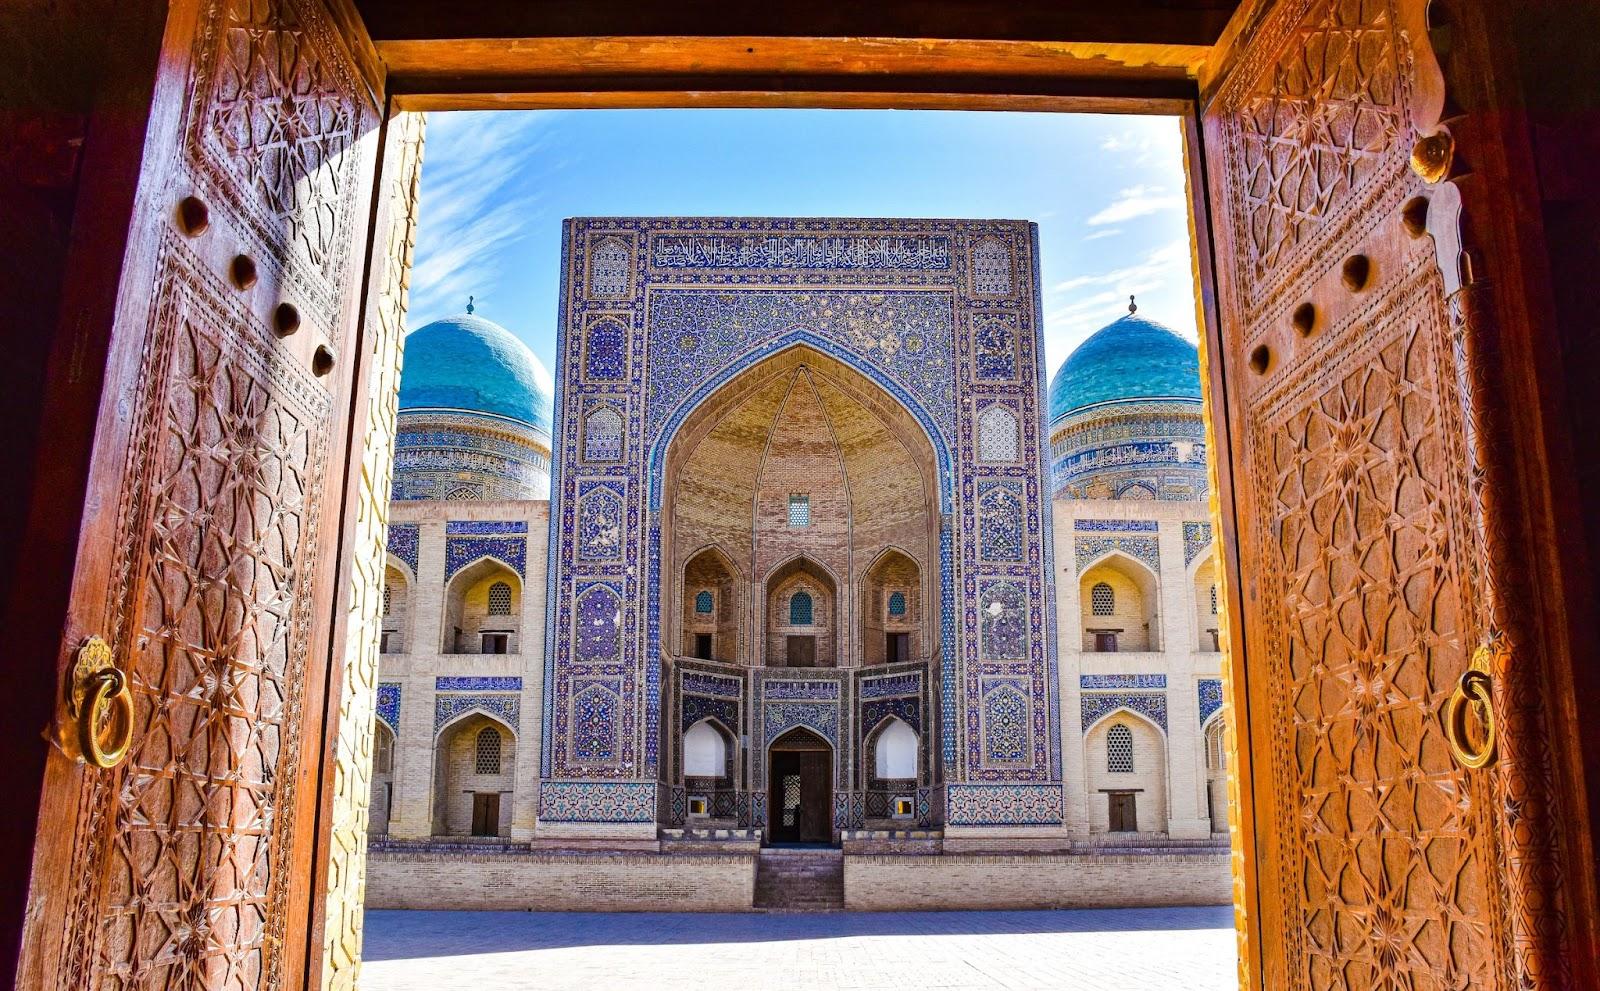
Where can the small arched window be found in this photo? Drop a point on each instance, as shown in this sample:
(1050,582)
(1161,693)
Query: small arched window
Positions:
(487,758)
(499,599)
(897,603)
(1102,601)
(800,609)
(1213,600)
(388,600)
(1119,749)
(703,603)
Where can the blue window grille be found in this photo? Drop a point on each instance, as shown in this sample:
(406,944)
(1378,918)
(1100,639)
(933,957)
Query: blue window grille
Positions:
(703,603)
(800,609)
(897,603)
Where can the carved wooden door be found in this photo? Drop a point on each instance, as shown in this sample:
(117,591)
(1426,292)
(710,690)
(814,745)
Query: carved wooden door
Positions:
(1368,575)
(210,541)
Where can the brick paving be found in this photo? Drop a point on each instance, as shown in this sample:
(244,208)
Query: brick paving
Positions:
(1182,949)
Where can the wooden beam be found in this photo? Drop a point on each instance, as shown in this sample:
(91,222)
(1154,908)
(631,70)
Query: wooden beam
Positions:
(1178,22)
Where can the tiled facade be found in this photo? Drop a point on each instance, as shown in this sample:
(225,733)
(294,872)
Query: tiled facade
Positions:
(900,364)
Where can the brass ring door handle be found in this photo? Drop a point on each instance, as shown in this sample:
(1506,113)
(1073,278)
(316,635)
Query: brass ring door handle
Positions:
(1473,692)
(98,686)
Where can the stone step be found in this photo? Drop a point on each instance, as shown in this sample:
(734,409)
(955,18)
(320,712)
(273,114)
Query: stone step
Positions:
(803,880)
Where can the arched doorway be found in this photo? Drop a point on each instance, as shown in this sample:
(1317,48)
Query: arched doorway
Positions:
(800,788)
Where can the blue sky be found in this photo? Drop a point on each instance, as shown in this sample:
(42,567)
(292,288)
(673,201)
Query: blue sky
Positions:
(1106,191)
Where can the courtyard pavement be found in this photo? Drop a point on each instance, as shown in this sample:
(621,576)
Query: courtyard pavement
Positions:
(1181,949)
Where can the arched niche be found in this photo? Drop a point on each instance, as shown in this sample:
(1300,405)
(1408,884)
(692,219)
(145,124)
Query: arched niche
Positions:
(1118,605)
(891,611)
(381,803)
(709,617)
(395,610)
(893,752)
(799,425)
(1215,757)
(1207,605)
(483,610)
(800,787)
(802,616)
(1125,755)
(475,761)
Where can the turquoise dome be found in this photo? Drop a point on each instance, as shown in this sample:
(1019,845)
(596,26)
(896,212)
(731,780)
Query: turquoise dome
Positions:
(1132,358)
(468,363)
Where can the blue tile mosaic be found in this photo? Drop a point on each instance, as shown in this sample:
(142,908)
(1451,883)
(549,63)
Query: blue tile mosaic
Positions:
(1116,526)
(899,684)
(1152,704)
(1210,692)
(389,703)
(1196,539)
(471,683)
(477,527)
(1003,804)
(1089,550)
(507,707)
(711,684)
(1113,681)
(460,551)
(597,801)
(403,543)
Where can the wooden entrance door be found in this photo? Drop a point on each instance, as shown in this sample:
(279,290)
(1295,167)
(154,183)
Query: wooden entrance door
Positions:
(1124,816)
(486,813)
(1374,529)
(800,789)
(211,535)
(802,651)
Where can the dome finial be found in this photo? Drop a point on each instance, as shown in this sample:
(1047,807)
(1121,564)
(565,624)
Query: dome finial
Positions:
(471,298)
(1132,306)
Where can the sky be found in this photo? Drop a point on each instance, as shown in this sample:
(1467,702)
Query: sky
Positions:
(1106,191)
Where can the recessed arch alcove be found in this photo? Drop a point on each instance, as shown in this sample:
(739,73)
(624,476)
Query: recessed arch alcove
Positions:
(800,470)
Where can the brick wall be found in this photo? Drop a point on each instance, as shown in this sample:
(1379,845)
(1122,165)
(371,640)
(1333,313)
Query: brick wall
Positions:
(561,882)
(1024,881)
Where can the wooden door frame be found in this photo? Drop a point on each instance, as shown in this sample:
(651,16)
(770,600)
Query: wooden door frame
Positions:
(1022,74)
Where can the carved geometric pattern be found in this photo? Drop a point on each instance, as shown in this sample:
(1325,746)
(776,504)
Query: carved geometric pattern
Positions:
(275,120)
(215,610)
(1000,521)
(1386,857)
(1317,129)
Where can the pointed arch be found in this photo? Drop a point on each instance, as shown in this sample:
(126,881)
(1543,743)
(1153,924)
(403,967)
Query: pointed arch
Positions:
(1133,620)
(469,624)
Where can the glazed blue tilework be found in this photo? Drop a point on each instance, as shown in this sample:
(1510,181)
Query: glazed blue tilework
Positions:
(465,683)
(597,636)
(389,703)
(1001,521)
(1196,538)
(1005,724)
(1003,804)
(605,350)
(908,710)
(1152,704)
(506,706)
(403,543)
(1113,681)
(460,551)
(595,724)
(1210,691)
(1003,611)
(780,690)
(698,707)
(600,512)
(711,684)
(1116,526)
(478,527)
(1156,445)
(780,717)
(1090,549)
(899,684)
(785,251)
(702,300)
(597,801)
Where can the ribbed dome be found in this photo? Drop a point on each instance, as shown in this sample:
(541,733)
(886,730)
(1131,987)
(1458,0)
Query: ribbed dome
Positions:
(1132,358)
(468,363)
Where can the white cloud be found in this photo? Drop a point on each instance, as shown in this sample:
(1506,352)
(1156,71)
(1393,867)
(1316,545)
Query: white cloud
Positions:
(1076,307)
(477,200)
(1108,232)
(1136,201)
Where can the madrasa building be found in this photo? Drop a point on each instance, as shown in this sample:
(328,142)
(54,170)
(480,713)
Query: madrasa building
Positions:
(799,586)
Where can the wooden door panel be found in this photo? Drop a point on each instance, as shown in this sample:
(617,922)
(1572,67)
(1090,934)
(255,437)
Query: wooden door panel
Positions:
(211,536)
(1378,856)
